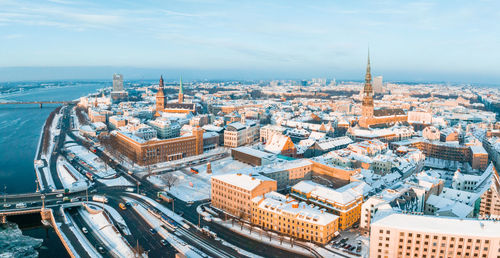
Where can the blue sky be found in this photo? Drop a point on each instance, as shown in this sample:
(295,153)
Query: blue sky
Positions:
(409,40)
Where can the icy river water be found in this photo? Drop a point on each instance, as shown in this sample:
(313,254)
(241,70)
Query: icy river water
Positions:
(20,127)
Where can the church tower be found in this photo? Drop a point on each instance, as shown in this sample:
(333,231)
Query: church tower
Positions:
(367,108)
(161,99)
(181,93)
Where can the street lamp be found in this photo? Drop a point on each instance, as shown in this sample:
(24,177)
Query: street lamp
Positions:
(43,201)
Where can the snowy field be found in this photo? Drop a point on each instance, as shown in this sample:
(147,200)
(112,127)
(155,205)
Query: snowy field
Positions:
(177,243)
(70,178)
(196,187)
(169,164)
(119,181)
(107,232)
(91,159)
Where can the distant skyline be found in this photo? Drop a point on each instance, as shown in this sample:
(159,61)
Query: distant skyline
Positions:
(452,41)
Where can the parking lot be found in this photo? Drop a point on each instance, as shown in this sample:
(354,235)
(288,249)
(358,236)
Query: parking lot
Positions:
(350,241)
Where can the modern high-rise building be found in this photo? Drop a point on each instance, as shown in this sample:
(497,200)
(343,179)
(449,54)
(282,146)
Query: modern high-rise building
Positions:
(117,82)
(378,85)
(118,93)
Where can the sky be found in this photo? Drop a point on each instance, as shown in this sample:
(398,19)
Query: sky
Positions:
(455,41)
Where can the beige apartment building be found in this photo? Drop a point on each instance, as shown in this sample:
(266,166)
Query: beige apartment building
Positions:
(404,235)
(283,214)
(238,134)
(490,200)
(233,193)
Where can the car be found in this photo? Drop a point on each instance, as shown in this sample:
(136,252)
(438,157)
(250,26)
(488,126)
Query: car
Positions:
(163,242)
(128,204)
(358,249)
(352,248)
(152,230)
(59,195)
(84,230)
(100,249)
(7,205)
(59,202)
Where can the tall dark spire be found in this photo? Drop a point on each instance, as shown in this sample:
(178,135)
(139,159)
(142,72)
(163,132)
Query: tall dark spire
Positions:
(368,76)
(161,81)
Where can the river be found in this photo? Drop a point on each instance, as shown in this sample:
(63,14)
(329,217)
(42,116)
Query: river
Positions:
(20,127)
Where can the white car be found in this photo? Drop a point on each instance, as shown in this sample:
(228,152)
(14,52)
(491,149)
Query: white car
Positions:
(84,230)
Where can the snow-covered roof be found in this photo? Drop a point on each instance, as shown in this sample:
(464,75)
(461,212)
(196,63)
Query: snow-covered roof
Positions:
(253,152)
(341,196)
(277,143)
(334,142)
(247,182)
(477,149)
(439,225)
(291,208)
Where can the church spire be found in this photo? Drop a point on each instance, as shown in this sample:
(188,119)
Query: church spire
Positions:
(181,92)
(161,81)
(368,76)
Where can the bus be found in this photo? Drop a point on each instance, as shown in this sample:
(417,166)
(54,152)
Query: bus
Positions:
(194,171)
(163,196)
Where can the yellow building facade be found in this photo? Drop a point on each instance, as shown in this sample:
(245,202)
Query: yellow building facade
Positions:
(345,203)
(285,215)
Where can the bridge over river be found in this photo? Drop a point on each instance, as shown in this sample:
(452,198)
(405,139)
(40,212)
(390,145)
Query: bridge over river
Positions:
(40,103)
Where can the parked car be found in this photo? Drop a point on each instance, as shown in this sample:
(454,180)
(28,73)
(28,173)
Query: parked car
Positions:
(100,249)
(84,230)
(163,242)
(152,230)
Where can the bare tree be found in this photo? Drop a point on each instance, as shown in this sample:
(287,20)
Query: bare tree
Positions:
(241,216)
(170,180)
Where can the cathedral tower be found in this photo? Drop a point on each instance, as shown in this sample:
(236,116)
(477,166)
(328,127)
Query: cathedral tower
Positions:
(161,99)
(367,108)
(181,93)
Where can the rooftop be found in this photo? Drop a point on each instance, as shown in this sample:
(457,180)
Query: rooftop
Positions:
(440,225)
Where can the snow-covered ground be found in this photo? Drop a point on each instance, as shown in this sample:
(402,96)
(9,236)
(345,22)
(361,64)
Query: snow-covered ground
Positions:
(169,164)
(53,132)
(100,169)
(116,216)
(196,187)
(70,178)
(48,178)
(119,181)
(262,236)
(89,248)
(155,223)
(107,232)
(162,208)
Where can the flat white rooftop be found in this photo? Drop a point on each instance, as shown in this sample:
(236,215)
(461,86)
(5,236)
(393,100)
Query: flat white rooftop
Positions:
(440,225)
